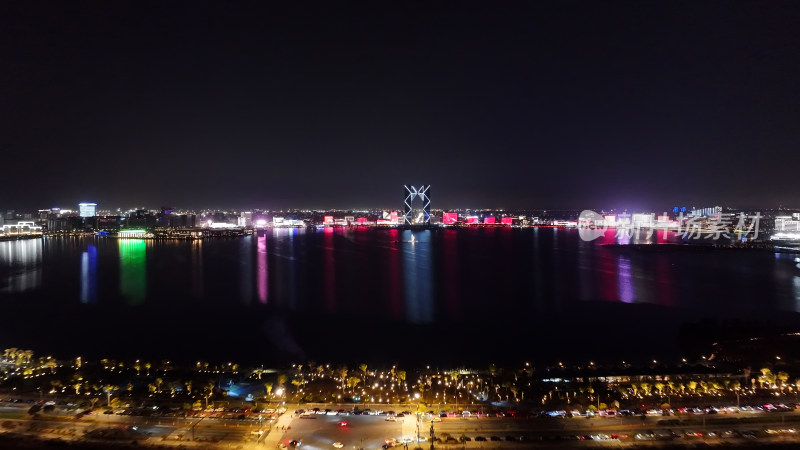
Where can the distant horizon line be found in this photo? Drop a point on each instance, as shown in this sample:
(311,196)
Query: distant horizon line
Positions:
(317,209)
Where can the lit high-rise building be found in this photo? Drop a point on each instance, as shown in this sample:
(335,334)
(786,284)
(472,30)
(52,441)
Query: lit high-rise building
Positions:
(87,209)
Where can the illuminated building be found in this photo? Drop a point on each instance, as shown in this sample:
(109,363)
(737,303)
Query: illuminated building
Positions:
(412,215)
(134,234)
(20,228)
(449,218)
(787,223)
(87,209)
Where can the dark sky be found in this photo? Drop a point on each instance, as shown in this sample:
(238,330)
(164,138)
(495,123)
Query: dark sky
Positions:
(338,104)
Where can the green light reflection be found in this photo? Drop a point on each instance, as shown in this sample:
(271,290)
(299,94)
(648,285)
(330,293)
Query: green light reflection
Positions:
(133,282)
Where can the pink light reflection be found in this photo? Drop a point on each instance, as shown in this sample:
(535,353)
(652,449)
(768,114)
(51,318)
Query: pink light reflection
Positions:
(261,260)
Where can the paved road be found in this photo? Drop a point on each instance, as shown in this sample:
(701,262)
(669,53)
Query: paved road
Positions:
(371,432)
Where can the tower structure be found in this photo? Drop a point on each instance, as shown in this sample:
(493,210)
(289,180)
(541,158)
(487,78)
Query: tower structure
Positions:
(417,205)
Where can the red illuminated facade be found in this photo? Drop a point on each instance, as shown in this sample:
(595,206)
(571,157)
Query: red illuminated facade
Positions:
(449,218)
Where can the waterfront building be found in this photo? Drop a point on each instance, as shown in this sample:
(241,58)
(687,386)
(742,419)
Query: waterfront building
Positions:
(787,223)
(87,209)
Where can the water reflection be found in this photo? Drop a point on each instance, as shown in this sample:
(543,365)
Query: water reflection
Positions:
(450,274)
(261,264)
(796,291)
(626,291)
(417,276)
(197,269)
(329,270)
(89,275)
(395,287)
(283,289)
(21,261)
(132,270)
(246,269)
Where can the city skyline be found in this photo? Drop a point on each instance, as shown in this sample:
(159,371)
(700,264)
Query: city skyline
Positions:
(510,105)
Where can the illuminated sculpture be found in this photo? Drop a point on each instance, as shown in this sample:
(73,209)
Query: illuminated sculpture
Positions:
(423,194)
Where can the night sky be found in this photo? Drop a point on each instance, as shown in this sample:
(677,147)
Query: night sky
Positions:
(338,104)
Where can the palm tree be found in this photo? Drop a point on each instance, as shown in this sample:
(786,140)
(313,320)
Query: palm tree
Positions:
(343,375)
(109,388)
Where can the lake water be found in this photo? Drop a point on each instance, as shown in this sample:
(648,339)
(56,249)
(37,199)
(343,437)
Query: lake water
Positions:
(468,295)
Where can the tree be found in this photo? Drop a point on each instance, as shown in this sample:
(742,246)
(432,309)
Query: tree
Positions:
(188,385)
(767,377)
(783,377)
(692,385)
(342,375)
(659,387)
(268,388)
(282,379)
(514,390)
(109,389)
(352,382)
(208,390)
